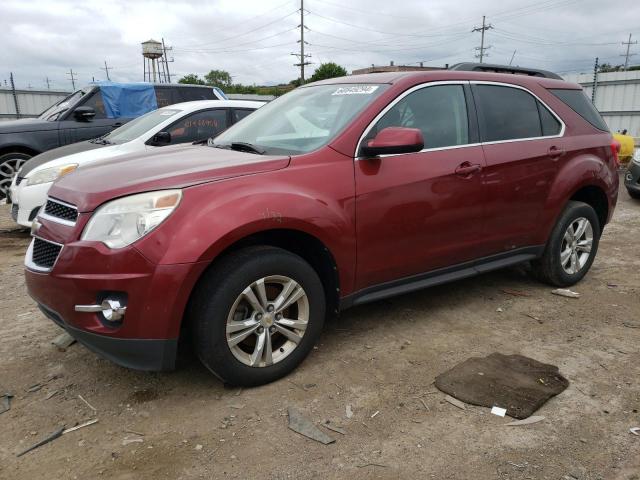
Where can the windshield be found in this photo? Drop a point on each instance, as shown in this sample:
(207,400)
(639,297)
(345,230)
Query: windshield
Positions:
(54,111)
(300,121)
(139,126)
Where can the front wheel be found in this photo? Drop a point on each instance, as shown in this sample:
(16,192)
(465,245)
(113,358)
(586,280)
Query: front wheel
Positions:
(10,164)
(571,248)
(256,315)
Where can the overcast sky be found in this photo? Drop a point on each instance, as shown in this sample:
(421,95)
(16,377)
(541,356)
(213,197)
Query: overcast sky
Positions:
(253,40)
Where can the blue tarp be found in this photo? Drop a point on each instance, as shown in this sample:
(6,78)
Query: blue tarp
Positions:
(127,99)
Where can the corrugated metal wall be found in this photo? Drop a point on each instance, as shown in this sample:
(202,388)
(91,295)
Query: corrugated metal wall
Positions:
(30,102)
(617,98)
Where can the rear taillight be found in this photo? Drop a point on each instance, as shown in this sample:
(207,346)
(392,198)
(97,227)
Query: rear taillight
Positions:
(615,150)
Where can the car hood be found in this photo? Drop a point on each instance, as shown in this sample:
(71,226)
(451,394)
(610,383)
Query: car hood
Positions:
(172,167)
(27,125)
(57,153)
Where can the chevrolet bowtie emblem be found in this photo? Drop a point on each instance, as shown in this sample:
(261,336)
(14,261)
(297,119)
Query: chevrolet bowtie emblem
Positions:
(35,226)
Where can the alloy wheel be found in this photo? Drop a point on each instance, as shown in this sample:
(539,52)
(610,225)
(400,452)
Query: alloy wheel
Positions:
(267,321)
(576,245)
(8,169)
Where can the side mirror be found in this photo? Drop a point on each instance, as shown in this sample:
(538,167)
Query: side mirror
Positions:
(392,141)
(84,114)
(160,139)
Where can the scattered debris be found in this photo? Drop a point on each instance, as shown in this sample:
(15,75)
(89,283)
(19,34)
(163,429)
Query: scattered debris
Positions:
(128,430)
(499,411)
(565,292)
(128,441)
(372,465)
(301,425)
(88,404)
(515,293)
(526,421)
(523,465)
(44,441)
(540,321)
(198,447)
(51,394)
(375,414)
(327,424)
(635,431)
(455,402)
(34,388)
(612,285)
(82,425)
(424,404)
(499,310)
(522,384)
(5,402)
(63,341)
(349,412)
(238,406)
(631,324)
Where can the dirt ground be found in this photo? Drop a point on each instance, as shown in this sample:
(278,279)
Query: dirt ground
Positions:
(382,357)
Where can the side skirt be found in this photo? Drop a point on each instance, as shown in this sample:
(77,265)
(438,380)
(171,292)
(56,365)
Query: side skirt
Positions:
(440,276)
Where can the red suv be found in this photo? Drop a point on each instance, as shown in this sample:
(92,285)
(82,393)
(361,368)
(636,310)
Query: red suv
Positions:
(341,192)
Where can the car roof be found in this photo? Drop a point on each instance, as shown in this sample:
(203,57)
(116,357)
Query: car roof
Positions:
(202,104)
(445,75)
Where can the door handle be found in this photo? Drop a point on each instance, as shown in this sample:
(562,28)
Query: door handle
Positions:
(465,169)
(118,124)
(555,152)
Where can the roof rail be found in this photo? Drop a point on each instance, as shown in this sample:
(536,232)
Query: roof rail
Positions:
(488,67)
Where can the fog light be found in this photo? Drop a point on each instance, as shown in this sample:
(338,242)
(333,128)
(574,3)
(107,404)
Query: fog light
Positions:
(112,310)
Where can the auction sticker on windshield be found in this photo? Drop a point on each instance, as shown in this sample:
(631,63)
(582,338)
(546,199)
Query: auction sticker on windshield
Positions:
(356,90)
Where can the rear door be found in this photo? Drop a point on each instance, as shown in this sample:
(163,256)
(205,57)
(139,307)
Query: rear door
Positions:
(422,211)
(522,142)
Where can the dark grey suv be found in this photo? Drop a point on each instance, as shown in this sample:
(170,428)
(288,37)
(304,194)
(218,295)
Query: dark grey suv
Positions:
(83,115)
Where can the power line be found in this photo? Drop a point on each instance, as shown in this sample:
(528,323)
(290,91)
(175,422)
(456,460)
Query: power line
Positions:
(626,56)
(482,48)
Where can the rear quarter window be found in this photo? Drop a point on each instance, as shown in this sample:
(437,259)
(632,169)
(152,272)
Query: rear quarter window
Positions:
(580,103)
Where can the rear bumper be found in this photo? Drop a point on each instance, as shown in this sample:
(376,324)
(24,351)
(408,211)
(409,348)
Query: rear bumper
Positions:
(138,354)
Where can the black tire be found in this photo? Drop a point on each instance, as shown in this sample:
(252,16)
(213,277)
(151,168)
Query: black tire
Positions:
(548,268)
(634,194)
(10,163)
(214,298)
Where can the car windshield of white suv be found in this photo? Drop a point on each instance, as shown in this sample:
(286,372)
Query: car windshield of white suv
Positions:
(53,112)
(138,126)
(300,121)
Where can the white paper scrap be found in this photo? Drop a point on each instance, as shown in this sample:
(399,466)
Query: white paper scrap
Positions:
(499,411)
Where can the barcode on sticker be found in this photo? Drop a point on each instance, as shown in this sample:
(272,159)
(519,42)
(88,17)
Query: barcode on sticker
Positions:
(356,90)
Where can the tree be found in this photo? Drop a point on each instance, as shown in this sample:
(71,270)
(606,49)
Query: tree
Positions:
(191,79)
(327,70)
(607,67)
(218,78)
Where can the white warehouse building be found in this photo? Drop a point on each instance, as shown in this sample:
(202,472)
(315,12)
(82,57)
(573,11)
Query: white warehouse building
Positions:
(617,98)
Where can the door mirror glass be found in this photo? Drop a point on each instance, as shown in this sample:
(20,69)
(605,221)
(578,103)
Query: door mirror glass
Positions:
(160,139)
(84,114)
(393,141)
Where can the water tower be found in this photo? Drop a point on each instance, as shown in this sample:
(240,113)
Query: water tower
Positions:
(153,62)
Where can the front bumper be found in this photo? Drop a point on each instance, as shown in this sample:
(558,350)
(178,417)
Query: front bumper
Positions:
(632,177)
(156,296)
(27,200)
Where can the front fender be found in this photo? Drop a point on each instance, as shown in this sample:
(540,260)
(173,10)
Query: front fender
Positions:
(214,216)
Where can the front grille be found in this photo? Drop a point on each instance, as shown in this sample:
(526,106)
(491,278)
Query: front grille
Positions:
(14,212)
(60,210)
(45,253)
(19,180)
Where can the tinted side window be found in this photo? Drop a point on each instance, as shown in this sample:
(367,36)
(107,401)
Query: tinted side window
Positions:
(506,113)
(190,94)
(580,103)
(550,124)
(95,102)
(440,112)
(198,126)
(239,114)
(165,96)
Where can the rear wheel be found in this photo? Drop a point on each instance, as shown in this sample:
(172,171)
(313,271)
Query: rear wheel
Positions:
(571,248)
(10,163)
(256,315)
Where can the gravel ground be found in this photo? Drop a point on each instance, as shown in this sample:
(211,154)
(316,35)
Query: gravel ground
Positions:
(382,357)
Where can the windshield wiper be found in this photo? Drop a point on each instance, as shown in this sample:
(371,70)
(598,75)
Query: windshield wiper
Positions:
(204,141)
(246,147)
(101,141)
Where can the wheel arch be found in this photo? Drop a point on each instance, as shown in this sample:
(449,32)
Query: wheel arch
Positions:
(18,149)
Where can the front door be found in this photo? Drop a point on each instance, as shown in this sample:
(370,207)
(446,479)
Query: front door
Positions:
(422,211)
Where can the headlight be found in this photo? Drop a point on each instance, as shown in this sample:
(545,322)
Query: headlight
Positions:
(123,221)
(50,174)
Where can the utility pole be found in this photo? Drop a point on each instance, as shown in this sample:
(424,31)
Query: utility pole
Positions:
(302,55)
(482,29)
(106,69)
(47,82)
(595,82)
(166,61)
(512,57)
(15,95)
(627,55)
(73,79)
